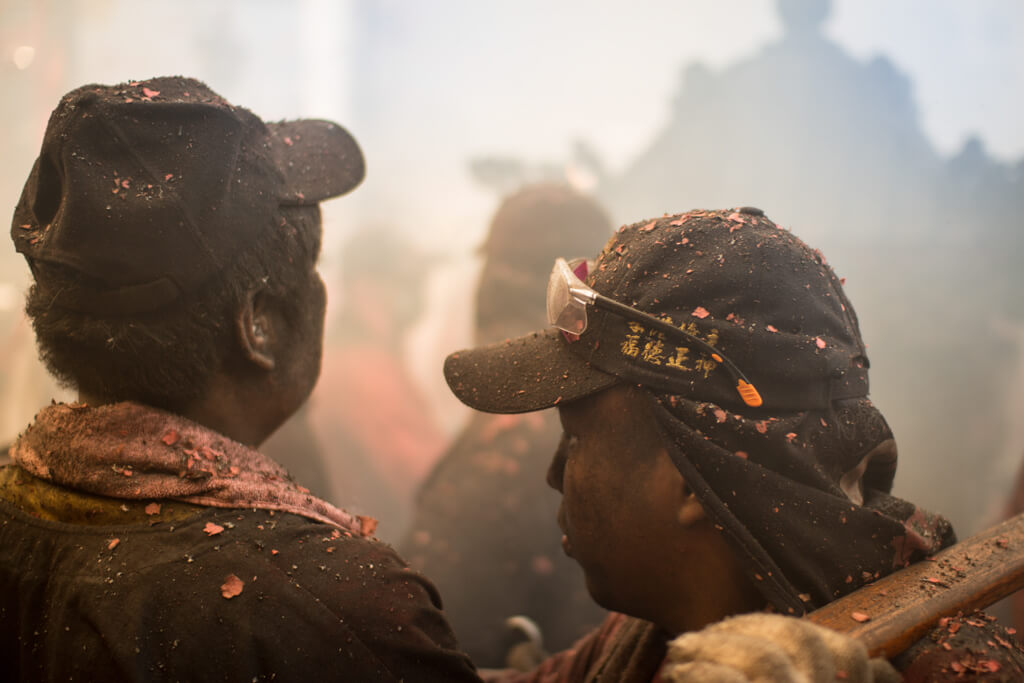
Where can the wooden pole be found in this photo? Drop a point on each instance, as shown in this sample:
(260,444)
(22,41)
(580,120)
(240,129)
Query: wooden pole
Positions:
(894,612)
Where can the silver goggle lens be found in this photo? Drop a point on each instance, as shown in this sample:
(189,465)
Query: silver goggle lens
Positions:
(565,311)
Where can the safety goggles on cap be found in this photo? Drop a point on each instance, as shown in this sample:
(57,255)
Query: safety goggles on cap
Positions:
(567,300)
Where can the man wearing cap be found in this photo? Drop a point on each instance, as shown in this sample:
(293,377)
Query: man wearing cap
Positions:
(173,241)
(719,457)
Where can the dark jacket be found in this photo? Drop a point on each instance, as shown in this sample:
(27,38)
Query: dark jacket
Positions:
(132,588)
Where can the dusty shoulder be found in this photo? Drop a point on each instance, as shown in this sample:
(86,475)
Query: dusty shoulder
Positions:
(294,589)
(965,647)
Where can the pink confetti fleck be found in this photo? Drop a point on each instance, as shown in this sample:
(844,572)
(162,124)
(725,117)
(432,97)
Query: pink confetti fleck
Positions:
(761,426)
(367,525)
(741,454)
(232,586)
(649,226)
(700,312)
(720,415)
(150,93)
(213,529)
(288,141)
(819,342)
(790,436)
(170,438)
(770,328)
(153,509)
(542,565)
(113,543)
(860,617)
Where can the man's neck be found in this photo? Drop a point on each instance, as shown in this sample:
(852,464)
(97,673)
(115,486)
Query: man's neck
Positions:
(220,407)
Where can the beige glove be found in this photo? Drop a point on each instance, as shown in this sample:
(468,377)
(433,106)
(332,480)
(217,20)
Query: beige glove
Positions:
(769,648)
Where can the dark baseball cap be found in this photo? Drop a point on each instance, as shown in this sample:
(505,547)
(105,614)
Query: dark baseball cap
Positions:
(147,189)
(733,279)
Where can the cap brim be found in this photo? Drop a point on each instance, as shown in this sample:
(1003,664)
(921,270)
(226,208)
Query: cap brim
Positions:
(532,372)
(319,159)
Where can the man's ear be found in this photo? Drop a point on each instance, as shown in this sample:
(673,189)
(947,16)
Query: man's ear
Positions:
(255,329)
(690,509)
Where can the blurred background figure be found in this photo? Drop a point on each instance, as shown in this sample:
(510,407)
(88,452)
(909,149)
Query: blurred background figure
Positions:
(484,525)
(369,420)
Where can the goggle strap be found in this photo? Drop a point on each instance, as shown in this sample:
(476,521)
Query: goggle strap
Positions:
(746,390)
